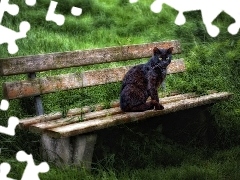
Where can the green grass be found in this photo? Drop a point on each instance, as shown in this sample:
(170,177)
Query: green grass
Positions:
(212,64)
(194,164)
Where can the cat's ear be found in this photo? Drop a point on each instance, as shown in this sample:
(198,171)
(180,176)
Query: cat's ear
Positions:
(156,51)
(170,50)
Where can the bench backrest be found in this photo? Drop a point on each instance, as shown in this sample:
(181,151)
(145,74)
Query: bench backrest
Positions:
(53,61)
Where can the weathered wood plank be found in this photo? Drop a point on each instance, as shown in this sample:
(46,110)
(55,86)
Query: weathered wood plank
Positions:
(37,119)
(48,121)
(105,122)
(34,87)
(26,122)
(51,61)
(40,127)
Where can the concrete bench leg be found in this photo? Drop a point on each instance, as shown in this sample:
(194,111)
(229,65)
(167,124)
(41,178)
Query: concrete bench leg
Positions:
(83,149)
(77,150)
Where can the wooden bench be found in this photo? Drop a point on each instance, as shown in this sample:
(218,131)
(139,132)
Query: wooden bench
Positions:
(71,139)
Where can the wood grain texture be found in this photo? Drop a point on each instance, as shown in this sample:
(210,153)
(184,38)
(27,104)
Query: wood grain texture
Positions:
(38,86)
(52,120)
(105,122)
(44,62)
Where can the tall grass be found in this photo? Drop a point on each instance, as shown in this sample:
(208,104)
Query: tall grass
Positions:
(139,151)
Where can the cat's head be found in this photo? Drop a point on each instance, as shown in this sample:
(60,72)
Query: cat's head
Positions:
(163,54)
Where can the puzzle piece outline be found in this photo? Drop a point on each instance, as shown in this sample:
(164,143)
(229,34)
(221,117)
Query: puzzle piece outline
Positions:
(76,11)
(210,10)
(4,170)
(32,170)
(8,35)
(4,105)
(12,121)
(12,9)
(30,2)
(59,19)
(10,129)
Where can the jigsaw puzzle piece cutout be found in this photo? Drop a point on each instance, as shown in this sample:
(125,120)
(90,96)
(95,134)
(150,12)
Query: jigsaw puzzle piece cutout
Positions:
(59,19)
(4,170)
(10,130)
(12,121)
(232,8)
(133,1)
(31,170)
(208,12)
(208,19)
(181,6)
(213,8)
(75,11)
(4,105)
(12,9)
(30,2)
(234,28)
(9,36)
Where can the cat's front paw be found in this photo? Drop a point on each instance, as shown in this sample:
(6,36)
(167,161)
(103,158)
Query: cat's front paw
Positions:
(156,104)
(159,107)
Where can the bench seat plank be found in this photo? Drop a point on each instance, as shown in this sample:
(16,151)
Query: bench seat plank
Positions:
(85,111)
(38,86)
(101,123)
(51,61)
(120,118)
(42,123)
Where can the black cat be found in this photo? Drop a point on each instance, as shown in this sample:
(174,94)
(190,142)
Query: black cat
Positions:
(143,80)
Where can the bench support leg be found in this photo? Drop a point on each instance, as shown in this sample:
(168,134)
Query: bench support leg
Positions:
(38,105)
(77,150)
(37,99)
(83,149)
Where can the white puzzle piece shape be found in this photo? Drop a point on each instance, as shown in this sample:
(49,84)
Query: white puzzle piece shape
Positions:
(59,19)
(31,170)
(4,170)
(12,121)
(9,36)
(75,11)
(210,9)
(4,105)
(10,130)
(12,9)
(30,2)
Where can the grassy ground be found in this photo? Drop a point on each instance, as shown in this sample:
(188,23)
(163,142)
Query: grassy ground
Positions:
(212,63)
